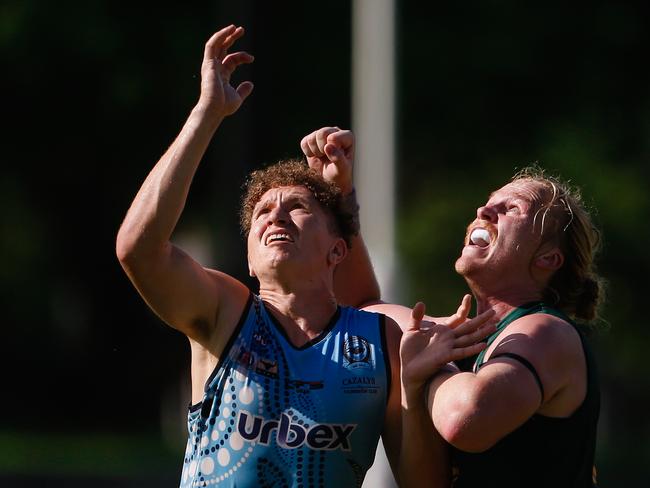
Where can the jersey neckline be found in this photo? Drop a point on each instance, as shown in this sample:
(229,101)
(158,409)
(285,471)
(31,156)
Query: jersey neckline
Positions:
(330,325)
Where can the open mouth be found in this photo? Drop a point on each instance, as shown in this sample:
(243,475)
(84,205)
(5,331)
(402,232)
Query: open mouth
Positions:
(480,237)
(277,237)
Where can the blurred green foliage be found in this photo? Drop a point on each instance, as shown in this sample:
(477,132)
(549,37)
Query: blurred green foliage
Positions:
(95,91)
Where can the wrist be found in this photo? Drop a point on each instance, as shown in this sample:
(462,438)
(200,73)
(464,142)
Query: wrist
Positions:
(347,190)
(415,395)
(351,206)
(208,112)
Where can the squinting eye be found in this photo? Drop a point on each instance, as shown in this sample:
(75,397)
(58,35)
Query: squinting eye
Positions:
(261,212)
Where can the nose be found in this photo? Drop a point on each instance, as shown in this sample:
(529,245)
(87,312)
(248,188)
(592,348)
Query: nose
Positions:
(277,215)
(486,213)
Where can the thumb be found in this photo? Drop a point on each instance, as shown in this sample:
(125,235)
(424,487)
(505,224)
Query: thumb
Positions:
(244,89)
(417,314)
(333,153)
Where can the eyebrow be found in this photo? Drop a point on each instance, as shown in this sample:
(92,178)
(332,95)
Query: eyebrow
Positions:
(515,196)
(265,202)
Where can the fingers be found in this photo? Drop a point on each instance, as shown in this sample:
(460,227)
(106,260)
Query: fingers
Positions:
(232,61)
(218,45)
(465,307)
(341,138)
(312,142)
(339,146)
(313,145)
(230,40)
(417,314)
(309,146)
(333,153)
(474,324)
(459,353)
(461,314)
(304,145)
(216,41)
(474,337)
(323,135)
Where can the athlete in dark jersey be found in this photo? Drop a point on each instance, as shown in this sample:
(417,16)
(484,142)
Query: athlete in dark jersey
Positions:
(527,415)
(544,451)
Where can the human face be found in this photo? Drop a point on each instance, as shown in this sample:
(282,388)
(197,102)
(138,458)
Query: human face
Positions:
(290,228)
(502,241)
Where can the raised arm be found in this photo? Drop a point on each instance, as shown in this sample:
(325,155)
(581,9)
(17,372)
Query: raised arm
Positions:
(182,292)
(427,348)
(330,151)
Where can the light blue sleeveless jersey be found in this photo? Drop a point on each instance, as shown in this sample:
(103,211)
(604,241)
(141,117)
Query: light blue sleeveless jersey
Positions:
(274,415)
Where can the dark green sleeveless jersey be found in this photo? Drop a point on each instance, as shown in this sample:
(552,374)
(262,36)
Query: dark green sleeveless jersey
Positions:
(544,451)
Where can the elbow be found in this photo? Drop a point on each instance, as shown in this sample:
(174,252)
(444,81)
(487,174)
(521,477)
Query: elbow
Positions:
(135,249)
(462,427)
(456,433)
(127,246)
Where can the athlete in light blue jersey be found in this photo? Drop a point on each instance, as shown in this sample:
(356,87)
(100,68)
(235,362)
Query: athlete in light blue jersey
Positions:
(288,387)
(274,414)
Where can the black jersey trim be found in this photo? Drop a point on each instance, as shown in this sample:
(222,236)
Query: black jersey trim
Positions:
(226,350)
(330,325)
(522,360)
(386,353)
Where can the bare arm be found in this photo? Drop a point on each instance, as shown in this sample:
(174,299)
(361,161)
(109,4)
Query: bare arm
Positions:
(392,431)
(177,288)
(427,348)
(330,151)
(474,411)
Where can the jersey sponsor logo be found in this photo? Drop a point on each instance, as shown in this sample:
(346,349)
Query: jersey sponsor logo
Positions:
(357,353)
(289,435)
(359,380)
(359,384)
(267,367)
(250,360)
(302,386)
(246,358)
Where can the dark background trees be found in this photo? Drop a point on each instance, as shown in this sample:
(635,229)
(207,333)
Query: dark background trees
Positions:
(93,92)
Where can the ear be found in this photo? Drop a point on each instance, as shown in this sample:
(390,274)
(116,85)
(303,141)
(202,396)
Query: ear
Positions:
(551,260)
(337,252)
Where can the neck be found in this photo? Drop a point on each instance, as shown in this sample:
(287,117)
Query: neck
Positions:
(303,312)
(503,302)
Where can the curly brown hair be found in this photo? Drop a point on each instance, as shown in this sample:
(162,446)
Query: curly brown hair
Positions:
(575,288)
(295,172)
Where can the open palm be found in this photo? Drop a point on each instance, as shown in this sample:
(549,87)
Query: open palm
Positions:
(426,346)
(218,66)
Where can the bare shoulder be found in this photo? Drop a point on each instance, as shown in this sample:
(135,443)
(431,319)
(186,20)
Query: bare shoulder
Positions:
(394,315)
(540,338)
(541,333)
(230,287)
(234,296)
(554,349)
(399,315)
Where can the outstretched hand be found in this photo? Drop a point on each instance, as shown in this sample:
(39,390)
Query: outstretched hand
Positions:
(330,151)
(217,94)
(426,346)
